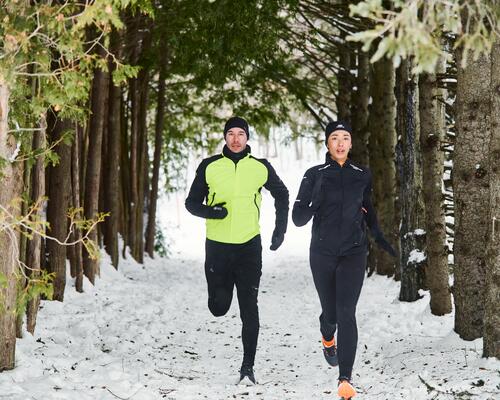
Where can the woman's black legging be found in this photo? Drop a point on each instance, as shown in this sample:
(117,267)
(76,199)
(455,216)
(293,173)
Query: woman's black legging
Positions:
(338,281)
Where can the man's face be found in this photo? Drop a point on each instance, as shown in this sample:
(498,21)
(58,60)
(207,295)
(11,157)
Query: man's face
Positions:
(236,139)
(339,144)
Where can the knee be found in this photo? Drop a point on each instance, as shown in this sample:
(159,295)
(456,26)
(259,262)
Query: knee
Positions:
(218,310)
(219,305)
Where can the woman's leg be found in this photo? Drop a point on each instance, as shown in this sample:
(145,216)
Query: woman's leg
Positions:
(323,271)
(350,274)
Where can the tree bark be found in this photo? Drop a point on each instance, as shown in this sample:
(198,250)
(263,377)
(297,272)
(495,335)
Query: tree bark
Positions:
(77,259)
(99,97)
(471,189)
(34,245)
(112,174)
(142,164)
(361,99)
(345,84)
(491,342)
(153,197)
(58,205)
(382,141)
(432,133)
(409,166)
(11,189)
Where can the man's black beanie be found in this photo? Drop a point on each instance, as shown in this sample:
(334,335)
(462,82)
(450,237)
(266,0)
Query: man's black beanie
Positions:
(336,126)
(236,122)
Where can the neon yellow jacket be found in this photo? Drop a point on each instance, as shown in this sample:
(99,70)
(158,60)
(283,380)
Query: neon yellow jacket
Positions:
(219,179)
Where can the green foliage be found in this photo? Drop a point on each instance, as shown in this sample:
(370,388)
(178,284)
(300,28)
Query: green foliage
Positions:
(28,288)
(416,28)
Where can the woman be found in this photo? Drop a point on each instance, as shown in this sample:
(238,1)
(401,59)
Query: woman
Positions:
(337,194)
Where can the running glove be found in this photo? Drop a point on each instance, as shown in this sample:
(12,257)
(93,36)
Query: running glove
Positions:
(277,239)
(217,211)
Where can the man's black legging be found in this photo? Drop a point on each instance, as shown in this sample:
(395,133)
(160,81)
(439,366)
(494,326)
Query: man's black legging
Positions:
(240,265)
(338,281)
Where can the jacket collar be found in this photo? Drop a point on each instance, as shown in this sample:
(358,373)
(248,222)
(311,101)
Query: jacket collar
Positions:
(332,163)
(236,156)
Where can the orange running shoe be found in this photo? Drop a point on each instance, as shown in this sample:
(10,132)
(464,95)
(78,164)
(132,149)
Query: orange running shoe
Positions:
(330,352)
(345,390)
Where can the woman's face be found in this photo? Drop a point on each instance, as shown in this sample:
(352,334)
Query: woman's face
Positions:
(339,144)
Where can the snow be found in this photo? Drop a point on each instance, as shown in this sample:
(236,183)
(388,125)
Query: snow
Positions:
(144,331)
(416,257)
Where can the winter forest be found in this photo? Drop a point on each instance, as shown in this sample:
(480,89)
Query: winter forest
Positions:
(108,106)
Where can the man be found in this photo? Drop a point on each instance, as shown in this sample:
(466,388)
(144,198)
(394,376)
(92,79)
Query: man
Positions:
(226,191)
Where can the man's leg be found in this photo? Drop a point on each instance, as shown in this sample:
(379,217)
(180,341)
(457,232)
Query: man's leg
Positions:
(350,275)
(323,271)
(247,272)
(219,277)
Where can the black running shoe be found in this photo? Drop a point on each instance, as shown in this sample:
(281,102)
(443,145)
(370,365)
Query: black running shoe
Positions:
(246,376)
(330,352)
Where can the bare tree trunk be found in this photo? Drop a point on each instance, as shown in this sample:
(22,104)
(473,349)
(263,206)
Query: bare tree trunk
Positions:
(472,195)
(412,236)
(77,260)
(382,141)
(491,342)
(153,198)
(125,190)
(58,205)
(142,163)
(34,245)
(92,179)
(361,100)
(112,174)
(345,84)
(432,133)
(11,189)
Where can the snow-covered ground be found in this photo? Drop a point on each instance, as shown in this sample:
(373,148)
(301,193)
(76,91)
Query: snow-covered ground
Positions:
(144,332)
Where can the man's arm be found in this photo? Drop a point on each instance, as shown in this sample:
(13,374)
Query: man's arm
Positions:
(280,193)
(197,195)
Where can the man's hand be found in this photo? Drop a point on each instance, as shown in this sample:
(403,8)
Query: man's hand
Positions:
(384,245)
(217,211)
(277,239)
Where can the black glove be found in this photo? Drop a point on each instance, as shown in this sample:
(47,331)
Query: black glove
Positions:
(384,245)
(217,211)
(277,239)
(316,193)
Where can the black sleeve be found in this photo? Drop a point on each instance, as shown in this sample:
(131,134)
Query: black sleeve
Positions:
(280,193)
(370,214)
(198,193)
(302,212)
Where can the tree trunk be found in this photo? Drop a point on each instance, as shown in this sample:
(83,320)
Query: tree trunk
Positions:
(432,133)
(134,170)
(125,189)
(58,206)
(344,83)
(142,164)
(411,234)
(382,140)
(361,100)
(472,195)
(77,259)
(491,342)
(11,189)
(34,245)
(92,179)
(153,198)
(112,174)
